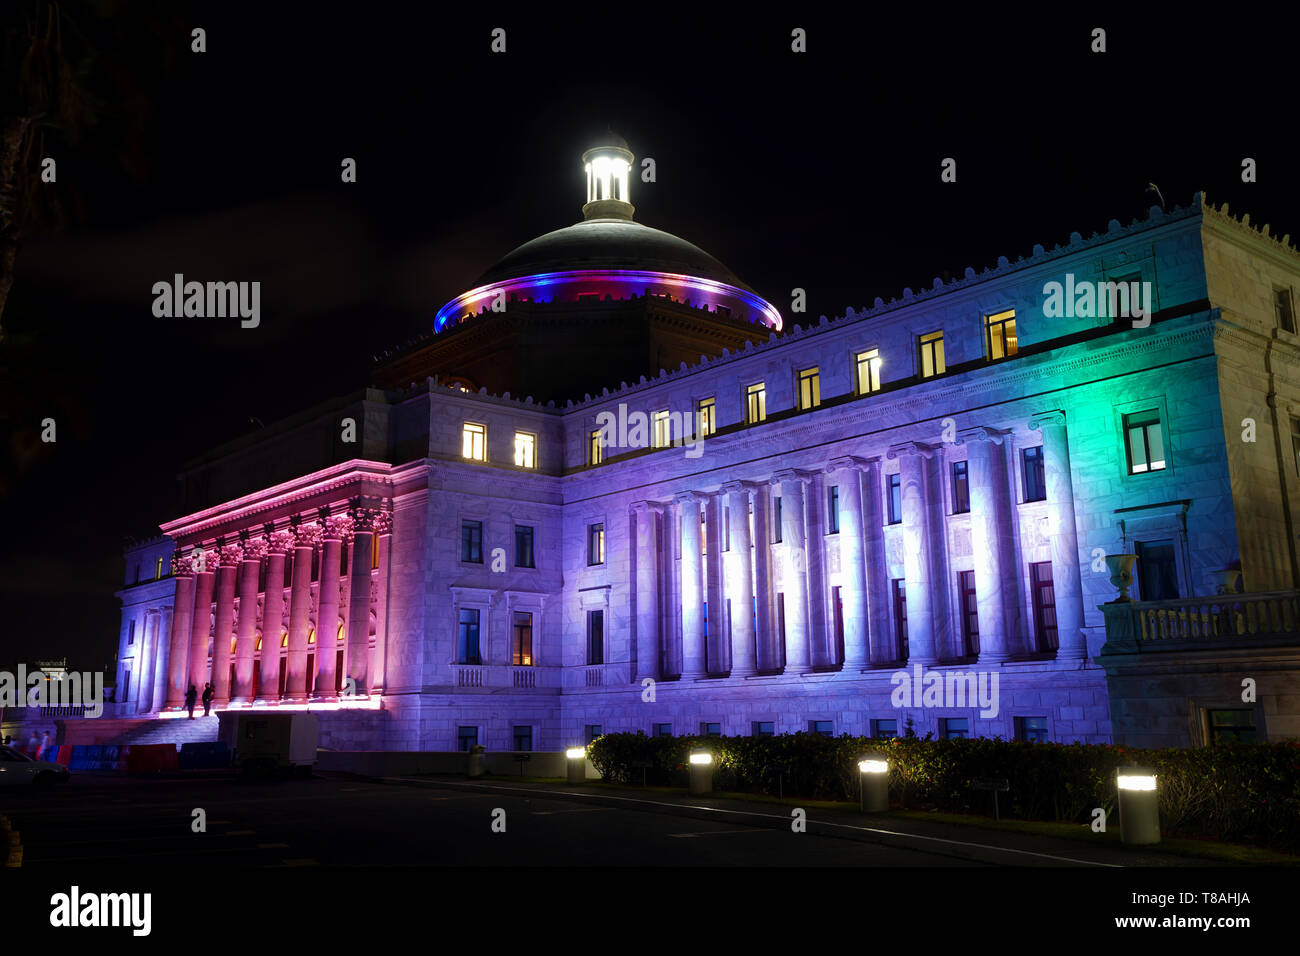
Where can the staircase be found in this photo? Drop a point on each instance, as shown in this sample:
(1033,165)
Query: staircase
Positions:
(170,731)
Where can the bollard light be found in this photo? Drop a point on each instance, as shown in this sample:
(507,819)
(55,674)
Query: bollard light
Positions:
(873,784)
(701,772)
(576,763)
(1139,810)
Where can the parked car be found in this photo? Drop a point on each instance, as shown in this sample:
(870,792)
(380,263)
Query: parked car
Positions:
(18,769)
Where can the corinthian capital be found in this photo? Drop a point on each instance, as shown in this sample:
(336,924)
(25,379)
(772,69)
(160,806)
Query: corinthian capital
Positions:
(231,555)
(255,548)
(365,518)
(182,566)
(308,534)
(338,527)
(278,542)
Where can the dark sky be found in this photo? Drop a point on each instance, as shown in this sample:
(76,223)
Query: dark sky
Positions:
(818,170)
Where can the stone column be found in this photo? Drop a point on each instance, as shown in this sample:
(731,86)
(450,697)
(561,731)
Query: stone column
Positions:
(920,580)
(227,575)
(250,570)
(692,591)
(278,544)
(1066,582)
(327,607)
(821,644)
(846,473)
(178,669)
(306,538)
(205,575)
(766,654)
(717,651)
(148,652)
(992,542)
(384,529)
(881,641)
(793,580)
(740,581)
(646,554)
(160,661)
(365,515)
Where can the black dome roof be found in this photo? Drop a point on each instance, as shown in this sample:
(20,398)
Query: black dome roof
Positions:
(610,244)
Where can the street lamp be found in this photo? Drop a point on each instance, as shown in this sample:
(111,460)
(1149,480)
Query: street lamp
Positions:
(701,764)
(1139,813)
(873,784)
(576,762)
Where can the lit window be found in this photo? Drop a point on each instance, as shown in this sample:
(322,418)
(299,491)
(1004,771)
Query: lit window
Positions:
(474,442)
(868,368)
(932,354)
(755,404)
(157,571)
(707,415)
(311,636)
(257,645)
(1040,579)
(521,652)
(810,389)
(233,640)
(1000,331)
(596,544)
(340,636)
(284,638)
(1144,442)
(374,551)
(1284,309)
(595,453)
(662,429)
(525,450)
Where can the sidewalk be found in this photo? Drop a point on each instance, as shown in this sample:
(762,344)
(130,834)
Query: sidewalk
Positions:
(986,845)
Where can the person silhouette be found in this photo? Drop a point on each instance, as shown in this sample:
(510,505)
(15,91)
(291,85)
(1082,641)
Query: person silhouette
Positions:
(191,696)
(207,699)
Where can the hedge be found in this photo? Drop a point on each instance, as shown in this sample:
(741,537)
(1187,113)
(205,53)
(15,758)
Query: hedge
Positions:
(1243,793)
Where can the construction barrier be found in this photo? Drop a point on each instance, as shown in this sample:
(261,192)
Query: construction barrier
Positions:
(204,755)
(151,758)
(64,755)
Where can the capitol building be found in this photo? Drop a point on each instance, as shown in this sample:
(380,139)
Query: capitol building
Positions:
(614,488)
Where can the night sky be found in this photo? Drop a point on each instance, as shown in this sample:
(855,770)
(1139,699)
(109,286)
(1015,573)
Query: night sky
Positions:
(818,170)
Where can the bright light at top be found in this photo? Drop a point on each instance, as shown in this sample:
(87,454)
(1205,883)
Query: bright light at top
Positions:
(573,753)
(873,766)
(607,179)
(702,758)
(1137,781)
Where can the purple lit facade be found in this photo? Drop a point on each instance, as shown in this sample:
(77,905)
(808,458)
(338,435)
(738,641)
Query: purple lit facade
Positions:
(932,482)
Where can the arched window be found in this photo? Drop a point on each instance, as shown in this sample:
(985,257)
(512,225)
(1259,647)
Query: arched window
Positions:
(311,636)
(284,638)
(341,634)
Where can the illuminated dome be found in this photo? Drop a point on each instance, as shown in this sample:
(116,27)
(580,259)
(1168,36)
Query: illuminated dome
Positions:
(609,255)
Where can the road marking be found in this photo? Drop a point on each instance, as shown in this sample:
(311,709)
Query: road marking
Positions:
(786,820)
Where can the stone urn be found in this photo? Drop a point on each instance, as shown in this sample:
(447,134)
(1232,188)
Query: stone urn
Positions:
(1121,574)
(1225,581)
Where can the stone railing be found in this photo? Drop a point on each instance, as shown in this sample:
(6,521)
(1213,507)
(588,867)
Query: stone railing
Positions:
(516,677)
(1224,617)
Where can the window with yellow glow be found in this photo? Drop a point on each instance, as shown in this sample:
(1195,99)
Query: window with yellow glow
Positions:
(810,389)
(284,638)
(311,636)
(474,442)
(1000,335)
(755,404)
(233,640)
(525,450)
(868,368)
(662,429)
(157,571)
(595,452)
(707,415)
(258,645)
(932,354)
(340,634)
(374,551)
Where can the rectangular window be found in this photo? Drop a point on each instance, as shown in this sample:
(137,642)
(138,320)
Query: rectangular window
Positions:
(1284,309)
(1000,335)
(763,728)
(823,728)
(595,637)
(663,730)
(867,365)
(837,608)
(523,739)
(708,729)
(471,541)
(755,404)
(833,509)
(474,442)
(885,728)
(707,415)
(524,546)
(900,617)
(960,488)
(776,519)
(969,611)
(1157,571)
(595,452)
(595,544)
(593,731)
(374,551)
(1233,726)
(130,634)
(954,728)
(157,570)
(932,354)
(810,389)
(1040,578)
(1032,729)
(525,450)
(895,498)
(466,737)
(662,430)
(1031,460)
(1144,442)
(521,644)
(467,645)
